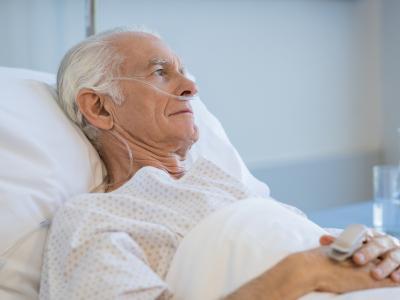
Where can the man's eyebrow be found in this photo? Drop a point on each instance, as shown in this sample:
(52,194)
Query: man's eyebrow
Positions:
(157,61)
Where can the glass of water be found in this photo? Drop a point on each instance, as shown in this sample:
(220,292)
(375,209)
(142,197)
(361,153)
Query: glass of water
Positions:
(386,211)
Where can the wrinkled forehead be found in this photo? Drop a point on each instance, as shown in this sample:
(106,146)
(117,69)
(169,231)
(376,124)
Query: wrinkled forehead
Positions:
(142,51)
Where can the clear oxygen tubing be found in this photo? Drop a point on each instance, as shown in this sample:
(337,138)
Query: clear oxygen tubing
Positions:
(138,79)
(106,183)
(126,145)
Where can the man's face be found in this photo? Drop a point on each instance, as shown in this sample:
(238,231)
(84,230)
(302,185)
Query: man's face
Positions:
(146,114)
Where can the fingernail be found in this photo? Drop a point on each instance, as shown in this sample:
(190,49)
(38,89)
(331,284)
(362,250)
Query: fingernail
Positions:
(378,273)
(396,276)
(360,258)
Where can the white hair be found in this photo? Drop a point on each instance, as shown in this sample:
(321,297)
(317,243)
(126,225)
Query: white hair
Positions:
(91,64)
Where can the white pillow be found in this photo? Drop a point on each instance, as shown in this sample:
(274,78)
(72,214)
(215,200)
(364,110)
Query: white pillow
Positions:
(45,160)
(240,242)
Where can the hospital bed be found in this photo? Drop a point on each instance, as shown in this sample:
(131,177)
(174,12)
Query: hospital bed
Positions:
(45,160)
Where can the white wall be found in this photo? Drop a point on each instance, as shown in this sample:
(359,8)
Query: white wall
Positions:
(390,41)
(35,34)
(296,83)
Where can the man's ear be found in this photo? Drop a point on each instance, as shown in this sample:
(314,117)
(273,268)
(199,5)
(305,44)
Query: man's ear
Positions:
(91,105)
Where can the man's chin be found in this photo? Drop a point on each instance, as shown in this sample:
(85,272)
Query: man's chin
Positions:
(188,139)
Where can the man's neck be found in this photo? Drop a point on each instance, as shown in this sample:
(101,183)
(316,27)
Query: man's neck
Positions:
(121,167)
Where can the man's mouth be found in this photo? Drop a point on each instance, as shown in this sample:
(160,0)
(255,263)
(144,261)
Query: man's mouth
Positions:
(183,111)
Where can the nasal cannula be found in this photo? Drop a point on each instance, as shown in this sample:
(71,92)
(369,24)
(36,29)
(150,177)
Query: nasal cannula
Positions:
(137,79)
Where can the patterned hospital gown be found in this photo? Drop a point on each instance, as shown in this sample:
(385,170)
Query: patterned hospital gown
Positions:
(119,245)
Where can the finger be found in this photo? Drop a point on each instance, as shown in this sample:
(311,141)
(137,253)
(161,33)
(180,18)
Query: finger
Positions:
(326,240)
(371,250)
(386,282)
(396,275)
(373,232)
(388,265)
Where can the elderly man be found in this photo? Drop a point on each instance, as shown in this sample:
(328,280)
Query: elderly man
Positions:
(130,94)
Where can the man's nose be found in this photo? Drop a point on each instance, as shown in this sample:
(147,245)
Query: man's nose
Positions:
(188,87)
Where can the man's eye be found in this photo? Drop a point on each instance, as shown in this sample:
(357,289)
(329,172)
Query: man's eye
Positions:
(160,72)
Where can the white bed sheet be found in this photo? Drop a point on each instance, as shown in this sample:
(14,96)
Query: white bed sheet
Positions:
(238,243)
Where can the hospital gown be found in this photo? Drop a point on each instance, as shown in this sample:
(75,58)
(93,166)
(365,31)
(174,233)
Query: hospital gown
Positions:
(119,245)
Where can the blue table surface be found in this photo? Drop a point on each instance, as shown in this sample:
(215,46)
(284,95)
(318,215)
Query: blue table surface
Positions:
(341,216)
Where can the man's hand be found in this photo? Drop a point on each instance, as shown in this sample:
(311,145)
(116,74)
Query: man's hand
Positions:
(383,250)
(311,270)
